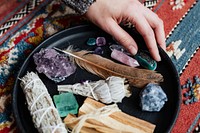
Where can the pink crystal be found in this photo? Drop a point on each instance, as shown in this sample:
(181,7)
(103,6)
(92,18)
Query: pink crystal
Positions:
(123,58)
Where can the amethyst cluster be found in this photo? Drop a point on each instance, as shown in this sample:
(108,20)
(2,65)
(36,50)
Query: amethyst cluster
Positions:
(54,65)
(152,98)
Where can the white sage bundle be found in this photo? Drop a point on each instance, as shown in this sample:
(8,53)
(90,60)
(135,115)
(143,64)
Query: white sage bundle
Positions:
(44,114)
(113,89)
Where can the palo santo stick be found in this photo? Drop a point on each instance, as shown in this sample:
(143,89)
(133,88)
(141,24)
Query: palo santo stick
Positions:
(90,126)
(116,121)
(71,121)
(127,119)
(91,105)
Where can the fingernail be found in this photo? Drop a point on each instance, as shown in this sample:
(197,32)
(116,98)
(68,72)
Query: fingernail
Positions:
(133,51)
(158,58)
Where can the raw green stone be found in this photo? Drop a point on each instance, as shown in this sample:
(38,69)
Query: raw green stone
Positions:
(66,103)
(91,41)
(145,60)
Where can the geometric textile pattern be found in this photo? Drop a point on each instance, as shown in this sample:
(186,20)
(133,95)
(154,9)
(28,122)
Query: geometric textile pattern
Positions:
(53,18)
(188,31)
(23,16)
(19,15)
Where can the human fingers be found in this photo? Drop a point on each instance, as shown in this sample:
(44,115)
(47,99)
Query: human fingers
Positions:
(143,27)
(157,24)
(112,27)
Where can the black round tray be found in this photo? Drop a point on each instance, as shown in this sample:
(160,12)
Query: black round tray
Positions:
(164,120)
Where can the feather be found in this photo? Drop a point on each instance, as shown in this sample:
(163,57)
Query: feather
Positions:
(104,68)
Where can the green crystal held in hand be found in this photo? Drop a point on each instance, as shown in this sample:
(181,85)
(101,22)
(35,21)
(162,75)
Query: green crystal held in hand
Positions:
(145,60)
(66,103)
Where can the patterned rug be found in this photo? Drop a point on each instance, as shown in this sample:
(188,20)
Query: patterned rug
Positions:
(9,8)
(34,21)
(17,14)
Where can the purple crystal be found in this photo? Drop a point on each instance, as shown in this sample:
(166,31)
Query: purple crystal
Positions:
(119,48)
(54,65)
(98,51)
(101,41)
(123,58)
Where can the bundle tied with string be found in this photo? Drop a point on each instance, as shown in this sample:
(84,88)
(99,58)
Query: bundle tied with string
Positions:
(44,114)
(95,117)
(113,89)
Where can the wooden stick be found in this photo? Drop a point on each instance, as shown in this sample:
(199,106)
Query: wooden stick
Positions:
(115,122)
(90,126)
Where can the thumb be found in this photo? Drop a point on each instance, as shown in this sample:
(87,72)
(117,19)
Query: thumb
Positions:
(121,36)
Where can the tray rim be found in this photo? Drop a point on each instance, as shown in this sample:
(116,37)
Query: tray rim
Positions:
(71,29)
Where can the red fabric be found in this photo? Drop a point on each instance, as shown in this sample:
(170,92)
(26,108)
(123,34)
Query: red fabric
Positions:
(8,8)
(188,113)
(171,17)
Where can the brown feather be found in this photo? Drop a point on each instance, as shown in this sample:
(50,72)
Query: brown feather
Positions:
(104,68)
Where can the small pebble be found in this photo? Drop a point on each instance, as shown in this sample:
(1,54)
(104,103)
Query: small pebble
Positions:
(193,93)
(100,41)
(91,41)
(98,51)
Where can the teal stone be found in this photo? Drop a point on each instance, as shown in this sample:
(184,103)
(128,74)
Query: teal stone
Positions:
(91,41)
(66,103)
(145,60)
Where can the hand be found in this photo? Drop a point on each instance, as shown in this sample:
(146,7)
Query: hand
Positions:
(108,14)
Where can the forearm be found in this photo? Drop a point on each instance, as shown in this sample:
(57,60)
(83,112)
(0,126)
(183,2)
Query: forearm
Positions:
(81,6)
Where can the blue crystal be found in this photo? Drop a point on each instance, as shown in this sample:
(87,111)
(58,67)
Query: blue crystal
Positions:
(152,98)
